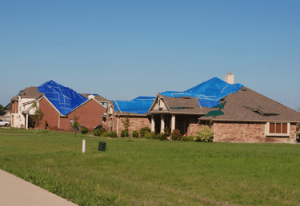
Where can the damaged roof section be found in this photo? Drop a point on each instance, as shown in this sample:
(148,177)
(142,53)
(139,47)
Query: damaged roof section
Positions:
(139,105)
(63,98)
(207,93)
(29,92)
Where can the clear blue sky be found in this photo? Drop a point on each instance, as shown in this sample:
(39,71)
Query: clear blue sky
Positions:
(124,49)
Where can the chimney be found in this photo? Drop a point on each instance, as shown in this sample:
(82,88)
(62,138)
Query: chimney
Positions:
(229,78)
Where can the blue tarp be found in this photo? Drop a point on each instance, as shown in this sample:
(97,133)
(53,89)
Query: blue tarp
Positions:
(139,105)
(208,93)
(63,98)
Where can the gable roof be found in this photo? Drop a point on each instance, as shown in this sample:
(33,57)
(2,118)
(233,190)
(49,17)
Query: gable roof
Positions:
(181,105)
(29,92)
(62,98)
(251,106)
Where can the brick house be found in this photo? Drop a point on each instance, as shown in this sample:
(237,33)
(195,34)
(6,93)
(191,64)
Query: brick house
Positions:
(59,105)
(240,116)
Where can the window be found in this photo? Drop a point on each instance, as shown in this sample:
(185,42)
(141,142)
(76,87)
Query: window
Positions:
(277,129)
(71,122)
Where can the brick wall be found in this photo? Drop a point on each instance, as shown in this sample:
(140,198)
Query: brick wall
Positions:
(90,116)
(50,114)
(136,123)
(246,132)
(14,107)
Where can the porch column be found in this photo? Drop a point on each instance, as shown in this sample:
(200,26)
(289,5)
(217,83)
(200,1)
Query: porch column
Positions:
(172,122)
(152,124)
(162,124)
(26,122)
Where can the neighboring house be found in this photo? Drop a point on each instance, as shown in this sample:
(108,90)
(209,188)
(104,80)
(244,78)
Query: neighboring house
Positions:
(234,113)
(136,110)
(5,114)
(60,105)
(20,116)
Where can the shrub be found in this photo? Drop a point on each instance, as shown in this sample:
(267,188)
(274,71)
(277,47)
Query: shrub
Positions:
(176,135)
(191,138)
(102,131)
(167,132)
(135,134)
(184,138)
(205,134)
(124,133)
(84,130)
(113,134)
(164,136)
(144,130)
(148,135)
(96,132)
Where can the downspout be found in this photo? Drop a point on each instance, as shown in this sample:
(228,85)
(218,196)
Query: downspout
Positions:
(118,126)
(58,122)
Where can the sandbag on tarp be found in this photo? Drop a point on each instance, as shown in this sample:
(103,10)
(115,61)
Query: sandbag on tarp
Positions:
(139,105)
(208,93)
(63,98)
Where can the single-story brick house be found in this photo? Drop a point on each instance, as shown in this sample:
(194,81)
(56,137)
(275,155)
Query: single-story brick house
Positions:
(241,116)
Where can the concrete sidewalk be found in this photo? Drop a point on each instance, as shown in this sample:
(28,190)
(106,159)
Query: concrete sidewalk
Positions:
(15,191)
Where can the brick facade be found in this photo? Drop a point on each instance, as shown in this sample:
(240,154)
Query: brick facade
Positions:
(115,123)
(89,114)
(51,115)
(247,132)
(14,107)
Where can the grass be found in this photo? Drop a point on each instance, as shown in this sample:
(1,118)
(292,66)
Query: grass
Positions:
(144,172)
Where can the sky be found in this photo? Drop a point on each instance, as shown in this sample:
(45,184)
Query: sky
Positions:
(124,49)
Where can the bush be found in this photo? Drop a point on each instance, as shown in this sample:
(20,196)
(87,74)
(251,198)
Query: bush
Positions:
(84,130)
(144,130)
(164,136)
(205,134)
(184,138)
(96,132)
(191,138)
(135,134)
(113,134)
(124,133)
(102,131)
(176,135)
(151,135)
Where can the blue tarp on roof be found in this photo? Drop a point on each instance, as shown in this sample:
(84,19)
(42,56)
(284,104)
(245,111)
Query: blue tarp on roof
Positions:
(139,105)
(208,93)
(63,98)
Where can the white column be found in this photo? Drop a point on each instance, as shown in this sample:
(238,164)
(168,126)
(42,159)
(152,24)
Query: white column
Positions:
(162,124)
(83,146)
(26,122)
(152,124)
(172,122)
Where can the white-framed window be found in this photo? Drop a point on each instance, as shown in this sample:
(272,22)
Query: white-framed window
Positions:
(71,122)
(277,129)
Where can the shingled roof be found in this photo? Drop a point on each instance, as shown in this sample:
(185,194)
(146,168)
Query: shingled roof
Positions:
(96,96)
(251,106)
(29,92)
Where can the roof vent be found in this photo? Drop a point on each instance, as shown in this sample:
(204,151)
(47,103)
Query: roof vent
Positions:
(91,96)
(243,88)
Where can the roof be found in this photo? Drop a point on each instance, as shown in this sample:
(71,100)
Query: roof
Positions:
(29,92)
(181,105)
(139,105)
(96,96)
(251,106)
(208,93)
(62,98)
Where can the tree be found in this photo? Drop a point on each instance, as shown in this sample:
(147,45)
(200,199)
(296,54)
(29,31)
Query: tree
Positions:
(1,107)
(126,126)
(38,114)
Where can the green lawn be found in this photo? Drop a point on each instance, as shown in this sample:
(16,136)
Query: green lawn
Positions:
(152,172)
